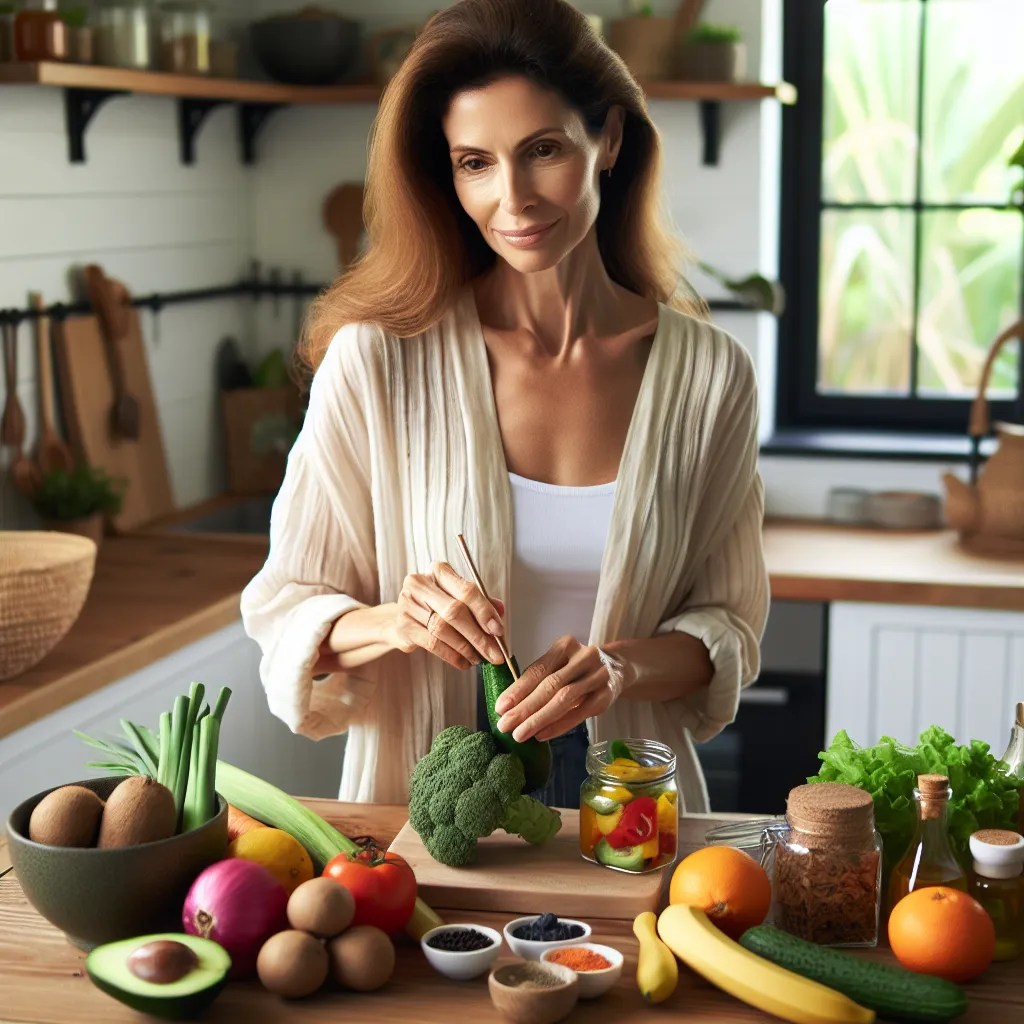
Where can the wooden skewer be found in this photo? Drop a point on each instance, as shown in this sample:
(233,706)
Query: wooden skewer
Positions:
(483,590)
(1020,715)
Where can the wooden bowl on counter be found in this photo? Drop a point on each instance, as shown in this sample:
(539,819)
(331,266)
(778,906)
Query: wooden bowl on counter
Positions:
(97,895)
(44,580)
(520,1000)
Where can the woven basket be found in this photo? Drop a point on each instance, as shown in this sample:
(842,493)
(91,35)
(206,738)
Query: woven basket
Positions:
(44,580)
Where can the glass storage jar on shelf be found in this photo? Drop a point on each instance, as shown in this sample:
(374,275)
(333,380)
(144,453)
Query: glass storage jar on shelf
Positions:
(629,807)
(40,32)
(827,866)
(124,35)
(184,30)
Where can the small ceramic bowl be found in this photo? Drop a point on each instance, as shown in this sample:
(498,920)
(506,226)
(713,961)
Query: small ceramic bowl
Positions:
(462,966)
(528,949)
(593,983)
(97,896)
(530,1003)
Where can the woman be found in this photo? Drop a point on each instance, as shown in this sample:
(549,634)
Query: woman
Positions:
(509,360)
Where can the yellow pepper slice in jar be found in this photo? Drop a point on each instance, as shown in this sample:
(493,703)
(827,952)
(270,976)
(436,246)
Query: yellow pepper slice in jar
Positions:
(668,817)
(617,793)
(589,833)
(608,822)
(651,848)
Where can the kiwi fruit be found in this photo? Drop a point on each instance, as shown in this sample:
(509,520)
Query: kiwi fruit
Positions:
(362,958)
(140,810)
(69,816)
(292,964)
(322,907)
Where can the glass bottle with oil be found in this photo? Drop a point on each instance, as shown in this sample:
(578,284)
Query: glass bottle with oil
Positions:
(930,859)
(1013,760)
(998,885)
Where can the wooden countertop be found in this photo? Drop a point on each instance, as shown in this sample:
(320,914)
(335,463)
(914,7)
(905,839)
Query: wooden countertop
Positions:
(154,593)
(43,982)
(150,596)
(814,561)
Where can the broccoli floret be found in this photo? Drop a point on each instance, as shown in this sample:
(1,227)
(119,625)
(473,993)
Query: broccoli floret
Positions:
(451,846)
(463,790)
(478,811)
(505,773)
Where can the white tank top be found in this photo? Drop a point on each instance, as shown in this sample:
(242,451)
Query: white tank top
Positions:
(560,535)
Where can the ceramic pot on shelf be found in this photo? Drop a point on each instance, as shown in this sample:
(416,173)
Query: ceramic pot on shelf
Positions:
(989,514)
(87,526)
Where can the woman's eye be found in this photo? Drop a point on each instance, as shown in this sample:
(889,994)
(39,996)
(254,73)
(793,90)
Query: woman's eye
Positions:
(466,164)
(549,149)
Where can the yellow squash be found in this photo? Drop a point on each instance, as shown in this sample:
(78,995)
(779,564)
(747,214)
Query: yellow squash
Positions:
(657,972)
(689,933)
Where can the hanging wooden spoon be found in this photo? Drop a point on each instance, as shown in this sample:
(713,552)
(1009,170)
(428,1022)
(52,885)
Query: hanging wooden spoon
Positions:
(24,471)
(343,218)
(52,453)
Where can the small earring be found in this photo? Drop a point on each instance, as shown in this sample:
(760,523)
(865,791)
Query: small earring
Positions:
(609,172)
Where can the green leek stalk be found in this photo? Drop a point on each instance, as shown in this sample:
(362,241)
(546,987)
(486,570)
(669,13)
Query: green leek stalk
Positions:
(274,807)
(179,719)
(190,812)
(184,753)
(163,766)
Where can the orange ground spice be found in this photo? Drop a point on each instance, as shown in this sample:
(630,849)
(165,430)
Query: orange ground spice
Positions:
(578,959)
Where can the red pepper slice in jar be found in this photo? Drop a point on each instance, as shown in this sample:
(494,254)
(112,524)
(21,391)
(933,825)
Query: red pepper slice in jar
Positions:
(639,823)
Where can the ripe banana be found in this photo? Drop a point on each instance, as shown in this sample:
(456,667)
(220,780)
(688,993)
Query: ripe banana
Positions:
(657,972)
(689,933)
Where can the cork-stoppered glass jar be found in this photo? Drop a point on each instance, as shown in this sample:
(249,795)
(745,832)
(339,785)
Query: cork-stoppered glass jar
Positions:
(629,809)
(998,885)
(827,868)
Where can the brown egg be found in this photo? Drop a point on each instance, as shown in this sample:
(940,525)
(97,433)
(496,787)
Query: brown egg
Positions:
(322,907)
(362,958)
(292,964)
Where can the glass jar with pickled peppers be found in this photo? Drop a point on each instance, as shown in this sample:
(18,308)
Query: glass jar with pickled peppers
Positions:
(629,809)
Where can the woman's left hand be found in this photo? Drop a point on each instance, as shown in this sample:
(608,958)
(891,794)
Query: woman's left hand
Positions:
(568,685)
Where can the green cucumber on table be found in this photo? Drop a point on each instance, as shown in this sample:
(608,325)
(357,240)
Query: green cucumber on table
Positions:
(892,992)
(536,756)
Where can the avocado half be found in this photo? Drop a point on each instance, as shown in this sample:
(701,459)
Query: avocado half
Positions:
(109,969)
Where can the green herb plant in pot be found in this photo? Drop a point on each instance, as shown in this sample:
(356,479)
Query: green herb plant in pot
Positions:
(78,502)
(713,53)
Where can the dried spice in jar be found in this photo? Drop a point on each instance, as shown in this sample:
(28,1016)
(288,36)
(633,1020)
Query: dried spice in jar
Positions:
(828,866)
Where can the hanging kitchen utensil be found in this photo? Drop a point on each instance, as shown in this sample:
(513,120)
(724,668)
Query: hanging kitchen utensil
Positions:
(110,302)
(480,585)
(343,218)
(989,512)
(52,453)
(24,472)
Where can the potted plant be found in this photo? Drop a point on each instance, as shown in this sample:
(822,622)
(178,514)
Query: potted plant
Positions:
(77,502)
(713,53)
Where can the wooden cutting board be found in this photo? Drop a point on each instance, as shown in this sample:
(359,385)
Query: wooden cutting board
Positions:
(514,877)
(87,397)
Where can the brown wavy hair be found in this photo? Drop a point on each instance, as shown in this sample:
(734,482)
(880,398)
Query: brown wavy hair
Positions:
(422,246)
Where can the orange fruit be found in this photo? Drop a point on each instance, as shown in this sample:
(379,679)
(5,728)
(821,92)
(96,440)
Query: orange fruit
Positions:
(278,851)
(727,884)
(943,932)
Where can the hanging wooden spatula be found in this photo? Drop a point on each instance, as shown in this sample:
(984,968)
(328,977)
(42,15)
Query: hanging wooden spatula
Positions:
(24,472)
(343,218)
(109,301)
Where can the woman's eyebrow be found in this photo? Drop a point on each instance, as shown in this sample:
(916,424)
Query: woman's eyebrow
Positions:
(524,142)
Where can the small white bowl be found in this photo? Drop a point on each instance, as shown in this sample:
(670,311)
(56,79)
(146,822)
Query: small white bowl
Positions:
(593,983)
(529,949)
(462,966)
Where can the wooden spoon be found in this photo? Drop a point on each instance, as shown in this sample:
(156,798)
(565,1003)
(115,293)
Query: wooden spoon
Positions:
(343,218)
(52,453)
(24,471)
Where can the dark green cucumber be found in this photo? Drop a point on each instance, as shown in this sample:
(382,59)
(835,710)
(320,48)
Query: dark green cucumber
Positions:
(536,756)
(892,992)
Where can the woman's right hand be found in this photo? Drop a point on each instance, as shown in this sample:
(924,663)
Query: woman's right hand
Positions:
(444,614)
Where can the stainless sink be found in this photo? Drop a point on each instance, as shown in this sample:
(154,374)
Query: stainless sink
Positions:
(247,515)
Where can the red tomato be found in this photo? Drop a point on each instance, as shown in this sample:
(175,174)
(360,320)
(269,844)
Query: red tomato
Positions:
(383,885)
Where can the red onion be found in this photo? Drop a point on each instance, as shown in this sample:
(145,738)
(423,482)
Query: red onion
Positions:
(238,904)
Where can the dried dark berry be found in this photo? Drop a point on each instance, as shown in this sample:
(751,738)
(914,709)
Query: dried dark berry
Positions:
(460,940)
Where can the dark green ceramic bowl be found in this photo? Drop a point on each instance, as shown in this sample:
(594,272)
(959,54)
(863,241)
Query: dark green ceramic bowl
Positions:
(96,896)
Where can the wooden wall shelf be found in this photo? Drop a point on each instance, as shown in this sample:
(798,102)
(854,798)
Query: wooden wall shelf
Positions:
(87,88)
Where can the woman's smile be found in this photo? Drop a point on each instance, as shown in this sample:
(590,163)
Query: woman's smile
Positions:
(526,238)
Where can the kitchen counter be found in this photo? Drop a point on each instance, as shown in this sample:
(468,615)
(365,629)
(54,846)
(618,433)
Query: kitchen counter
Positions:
(43,982)
(156,592)
(150,596)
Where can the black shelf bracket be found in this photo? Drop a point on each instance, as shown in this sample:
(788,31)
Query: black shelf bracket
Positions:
(191,115)
(79,107)
(711,127)
(251,118)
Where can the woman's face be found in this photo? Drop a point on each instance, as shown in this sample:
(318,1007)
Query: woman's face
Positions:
(525,169)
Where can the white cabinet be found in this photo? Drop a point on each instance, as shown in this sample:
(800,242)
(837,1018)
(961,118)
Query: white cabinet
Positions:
(47,753)
(894,670)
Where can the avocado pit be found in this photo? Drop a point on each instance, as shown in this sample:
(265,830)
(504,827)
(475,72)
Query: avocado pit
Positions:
(162,962)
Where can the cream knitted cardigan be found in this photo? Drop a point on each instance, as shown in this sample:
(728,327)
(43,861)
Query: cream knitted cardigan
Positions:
(401,451)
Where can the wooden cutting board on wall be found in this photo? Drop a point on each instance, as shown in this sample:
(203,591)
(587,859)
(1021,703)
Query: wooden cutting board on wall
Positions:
(87,398)
(512,876)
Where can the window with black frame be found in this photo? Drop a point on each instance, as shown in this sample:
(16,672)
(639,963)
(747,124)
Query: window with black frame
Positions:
(902,228)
